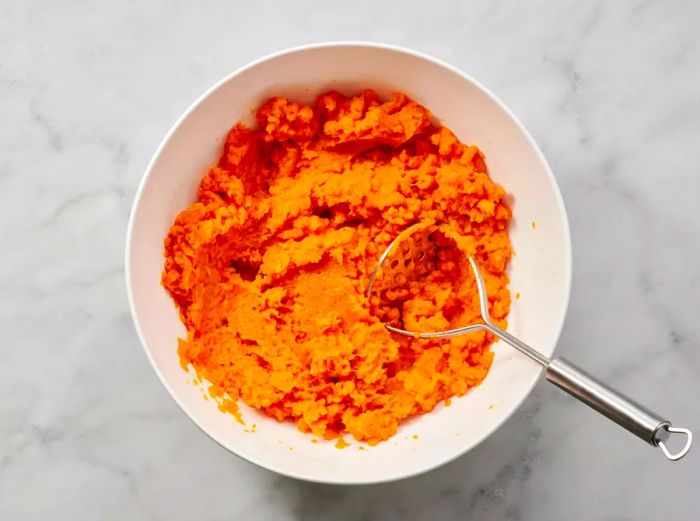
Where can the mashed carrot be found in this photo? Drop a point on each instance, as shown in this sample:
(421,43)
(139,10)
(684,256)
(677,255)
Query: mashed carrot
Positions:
(269,266)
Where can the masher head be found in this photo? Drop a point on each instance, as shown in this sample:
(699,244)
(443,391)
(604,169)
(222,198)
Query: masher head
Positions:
(410,259)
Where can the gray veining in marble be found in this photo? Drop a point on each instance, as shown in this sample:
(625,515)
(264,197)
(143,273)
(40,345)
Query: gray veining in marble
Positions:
(611,91)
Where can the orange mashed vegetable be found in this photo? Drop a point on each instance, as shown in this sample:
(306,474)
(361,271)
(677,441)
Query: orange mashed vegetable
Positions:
(269,266)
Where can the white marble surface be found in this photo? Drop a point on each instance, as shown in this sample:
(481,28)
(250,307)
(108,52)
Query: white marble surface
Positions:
(611,91)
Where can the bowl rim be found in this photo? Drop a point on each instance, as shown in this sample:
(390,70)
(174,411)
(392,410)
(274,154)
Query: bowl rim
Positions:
(272,466)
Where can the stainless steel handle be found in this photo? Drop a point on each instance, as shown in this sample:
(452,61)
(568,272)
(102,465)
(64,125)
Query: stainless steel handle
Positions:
(622,409)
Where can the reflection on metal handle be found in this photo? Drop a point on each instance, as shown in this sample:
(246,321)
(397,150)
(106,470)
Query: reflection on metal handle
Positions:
(631,415)
(620,408)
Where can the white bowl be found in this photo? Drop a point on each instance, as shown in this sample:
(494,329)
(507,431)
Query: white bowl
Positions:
(540,271)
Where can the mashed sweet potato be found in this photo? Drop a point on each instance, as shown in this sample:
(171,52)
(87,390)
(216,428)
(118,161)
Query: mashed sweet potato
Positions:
(269,266)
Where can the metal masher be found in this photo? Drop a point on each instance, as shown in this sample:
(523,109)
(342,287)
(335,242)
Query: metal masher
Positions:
(410,255)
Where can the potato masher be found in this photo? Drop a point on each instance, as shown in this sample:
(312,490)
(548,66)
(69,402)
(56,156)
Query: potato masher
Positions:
(413,248)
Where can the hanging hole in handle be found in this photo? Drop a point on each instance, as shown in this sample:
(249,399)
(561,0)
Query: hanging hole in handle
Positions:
(677,455)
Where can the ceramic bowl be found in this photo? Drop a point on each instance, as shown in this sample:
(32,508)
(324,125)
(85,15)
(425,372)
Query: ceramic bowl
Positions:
(540,272)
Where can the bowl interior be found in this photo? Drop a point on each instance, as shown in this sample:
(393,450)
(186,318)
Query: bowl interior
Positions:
(540,271)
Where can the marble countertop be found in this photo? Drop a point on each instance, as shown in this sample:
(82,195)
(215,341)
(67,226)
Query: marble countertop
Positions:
(609,90)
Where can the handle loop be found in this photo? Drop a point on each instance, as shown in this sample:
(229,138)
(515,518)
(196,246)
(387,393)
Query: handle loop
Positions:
(688,442)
